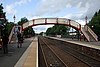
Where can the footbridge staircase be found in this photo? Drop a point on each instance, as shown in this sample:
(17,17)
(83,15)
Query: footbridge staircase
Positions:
(13,33)
(88,33)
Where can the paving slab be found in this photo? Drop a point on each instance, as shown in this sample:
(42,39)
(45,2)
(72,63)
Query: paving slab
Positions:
(30,56)
(14,53)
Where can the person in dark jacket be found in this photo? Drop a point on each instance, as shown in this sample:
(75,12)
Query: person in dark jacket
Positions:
(19,37)
(5,43)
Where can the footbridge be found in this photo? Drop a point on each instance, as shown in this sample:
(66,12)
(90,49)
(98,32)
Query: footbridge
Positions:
(84,29)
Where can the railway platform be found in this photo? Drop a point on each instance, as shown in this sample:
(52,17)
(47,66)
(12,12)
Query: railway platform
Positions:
(94,45)
(30,56)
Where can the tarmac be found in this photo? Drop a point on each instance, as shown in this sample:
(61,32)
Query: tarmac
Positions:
(14,53)
(30,56)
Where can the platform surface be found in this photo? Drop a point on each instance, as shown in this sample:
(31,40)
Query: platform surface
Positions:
(30,56)
(95,45)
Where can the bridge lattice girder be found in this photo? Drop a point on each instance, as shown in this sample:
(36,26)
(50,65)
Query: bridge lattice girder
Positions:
(64,21)
(45,21)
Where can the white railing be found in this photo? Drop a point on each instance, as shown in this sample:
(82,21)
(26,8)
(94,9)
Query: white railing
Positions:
(39,21)
(11,34)
(91,32)
(85,34)
(63,21)
(75,24)
(25,25)
(52,21)
(30,23)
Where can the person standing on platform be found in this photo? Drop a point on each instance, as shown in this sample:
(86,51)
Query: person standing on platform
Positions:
(20,39)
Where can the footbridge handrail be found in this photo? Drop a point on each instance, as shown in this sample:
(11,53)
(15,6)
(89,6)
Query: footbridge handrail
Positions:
(85,34)
(64,21)
(11,33)
(92,33)
(40,21)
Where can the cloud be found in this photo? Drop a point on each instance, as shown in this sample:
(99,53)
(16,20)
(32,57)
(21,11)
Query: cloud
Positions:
(41,28)
(85,7)
(50,6)
(93,6)
(10,9)
(21,2)
(74,16)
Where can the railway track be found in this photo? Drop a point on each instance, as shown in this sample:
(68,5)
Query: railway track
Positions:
(67,56)
(49,59)
(82,57)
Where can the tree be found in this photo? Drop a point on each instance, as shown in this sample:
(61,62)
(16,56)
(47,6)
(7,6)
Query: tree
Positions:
(95,14)
(41,33)
(2,16)
(1,8)
(57,30)
(48,32)
(22,21)
(29,31)
(3,22)
(9,26)
(99,12)
(94,24)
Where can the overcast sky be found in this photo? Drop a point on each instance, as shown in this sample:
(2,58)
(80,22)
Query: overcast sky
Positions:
(72,9)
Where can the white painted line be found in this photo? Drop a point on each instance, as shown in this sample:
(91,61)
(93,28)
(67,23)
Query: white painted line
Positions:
(37,54)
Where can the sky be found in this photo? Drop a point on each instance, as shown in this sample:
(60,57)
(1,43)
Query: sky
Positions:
(72,9)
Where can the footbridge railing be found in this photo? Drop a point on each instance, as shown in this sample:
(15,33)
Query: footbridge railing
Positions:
(91,32)
(83,30)
(64,21)
(44,21)
(11,34)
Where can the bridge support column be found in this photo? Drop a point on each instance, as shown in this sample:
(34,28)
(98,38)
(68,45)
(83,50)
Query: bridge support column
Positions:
(33,22)
(80,37)
(57,20)
(69,22)
(45,20)
(80,33)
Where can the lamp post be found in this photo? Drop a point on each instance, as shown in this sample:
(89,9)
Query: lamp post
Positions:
(86,20)
(92,27)
(86,23)
(16,28)
(14,18)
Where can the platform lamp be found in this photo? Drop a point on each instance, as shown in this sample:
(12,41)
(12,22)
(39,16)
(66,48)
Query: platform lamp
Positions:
(14,17)
(86,20)
(86,23)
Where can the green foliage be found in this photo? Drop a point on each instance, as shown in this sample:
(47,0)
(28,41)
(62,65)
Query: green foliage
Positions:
(1,8)
(9,27)
(48,32)
(29,31)
(94,24)
(57,30)
(2,15)
(41,33)
(23,20)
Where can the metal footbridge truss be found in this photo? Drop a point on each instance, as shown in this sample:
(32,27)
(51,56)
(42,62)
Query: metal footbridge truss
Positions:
(85,30)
